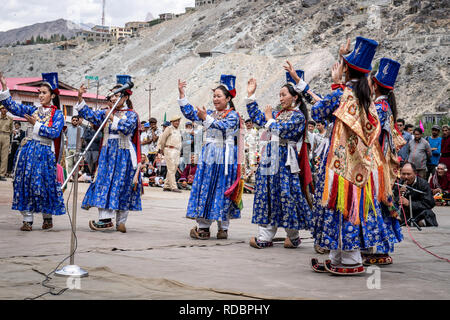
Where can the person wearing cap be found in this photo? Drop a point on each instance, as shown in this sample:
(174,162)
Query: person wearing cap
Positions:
(153,135)
(117,186)
(390,140)
(169,145)
(345,219)
(435,143)
(6,128)
(36,185)
(419,151)
(218,175)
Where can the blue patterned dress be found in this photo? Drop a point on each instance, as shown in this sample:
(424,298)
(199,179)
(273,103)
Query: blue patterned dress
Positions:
(207,199)
(392,225)
(279,200)
(36,188)
(331,231)
(113,186)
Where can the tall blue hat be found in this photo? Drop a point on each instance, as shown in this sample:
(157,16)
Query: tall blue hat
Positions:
(300,73)
(362,55)
(51,79)
(123,79)
(387,73)
(229,81)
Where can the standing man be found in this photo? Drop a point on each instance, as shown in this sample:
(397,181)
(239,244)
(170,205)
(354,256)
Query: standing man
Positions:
(71,146)
(93,153)
(153,134)
(16,138)
(435,144)
(445,146)
(145,138)
(6,128)
(419,151)
(187,138)
(403,153)
(170,147)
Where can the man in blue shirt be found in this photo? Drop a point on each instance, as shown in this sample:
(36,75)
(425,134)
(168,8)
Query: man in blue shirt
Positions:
(403,153)
(435,144)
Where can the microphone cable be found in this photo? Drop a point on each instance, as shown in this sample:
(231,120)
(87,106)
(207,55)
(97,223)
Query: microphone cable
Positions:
(47,276)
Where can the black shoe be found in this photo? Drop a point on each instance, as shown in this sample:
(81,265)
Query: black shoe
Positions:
(3,179)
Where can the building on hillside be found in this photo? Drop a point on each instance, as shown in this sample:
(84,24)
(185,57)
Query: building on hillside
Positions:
(434,117)
(25,91)
(118,33)
(97,34)
(201,3)
(166,16)
(189,9)
(136,26)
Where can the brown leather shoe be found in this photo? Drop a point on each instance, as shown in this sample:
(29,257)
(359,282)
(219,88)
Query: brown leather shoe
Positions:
(48,224)
(176,190)
(222,234)
(26,227)
(121,228)
(199,234)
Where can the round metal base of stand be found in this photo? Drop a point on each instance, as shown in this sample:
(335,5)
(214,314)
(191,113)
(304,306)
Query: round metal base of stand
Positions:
(71,271)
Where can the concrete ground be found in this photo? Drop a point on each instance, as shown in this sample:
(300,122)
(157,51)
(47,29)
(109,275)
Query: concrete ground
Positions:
(156,259)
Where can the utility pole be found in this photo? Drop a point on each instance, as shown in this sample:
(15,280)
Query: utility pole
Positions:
(103,13)
(150,99)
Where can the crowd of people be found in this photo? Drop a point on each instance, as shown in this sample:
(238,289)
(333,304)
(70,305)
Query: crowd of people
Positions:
(348,171)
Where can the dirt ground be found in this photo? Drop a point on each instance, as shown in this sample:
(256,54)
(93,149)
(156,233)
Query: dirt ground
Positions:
(156,259)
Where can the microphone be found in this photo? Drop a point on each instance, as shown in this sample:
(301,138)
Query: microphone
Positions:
(126,86)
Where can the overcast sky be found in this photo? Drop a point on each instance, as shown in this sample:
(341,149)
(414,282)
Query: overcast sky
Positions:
(19,13)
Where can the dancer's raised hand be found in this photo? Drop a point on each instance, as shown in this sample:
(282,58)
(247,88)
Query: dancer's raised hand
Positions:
(181,88)
(344,48)
(251,87)
(3,81)
(201,112)
(268,112)
(336,72)
(81,91)
(289,68)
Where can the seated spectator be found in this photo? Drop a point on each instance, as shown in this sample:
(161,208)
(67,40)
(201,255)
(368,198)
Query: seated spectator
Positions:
(421,203)
(440,184)
(188,174)
(160,166)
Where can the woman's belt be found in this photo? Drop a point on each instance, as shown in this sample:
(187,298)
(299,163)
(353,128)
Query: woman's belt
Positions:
(128,145)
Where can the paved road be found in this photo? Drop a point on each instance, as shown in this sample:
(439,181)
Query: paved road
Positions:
(156,259)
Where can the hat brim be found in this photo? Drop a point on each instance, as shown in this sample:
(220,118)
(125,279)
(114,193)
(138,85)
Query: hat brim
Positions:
(356,67)
(382,84)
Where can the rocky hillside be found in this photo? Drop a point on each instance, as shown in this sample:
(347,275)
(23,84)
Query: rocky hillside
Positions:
(254,39)
(45,30)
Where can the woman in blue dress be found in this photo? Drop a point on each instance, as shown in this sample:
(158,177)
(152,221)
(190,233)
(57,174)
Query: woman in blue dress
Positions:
(390,141)
(116,189)
(218,167)
(279,200)
(345,203)
(36,189)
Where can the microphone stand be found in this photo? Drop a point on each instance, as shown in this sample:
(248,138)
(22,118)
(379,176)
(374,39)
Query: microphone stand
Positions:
(411,221)
(73,270)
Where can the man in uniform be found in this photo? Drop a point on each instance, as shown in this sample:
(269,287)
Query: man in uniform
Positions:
(170,147)
(6,128)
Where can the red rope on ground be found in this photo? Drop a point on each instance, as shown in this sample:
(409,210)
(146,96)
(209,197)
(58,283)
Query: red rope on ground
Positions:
(414,240)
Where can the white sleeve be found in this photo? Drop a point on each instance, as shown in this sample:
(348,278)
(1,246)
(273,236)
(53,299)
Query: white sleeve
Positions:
(80,105)
(183,102)
(208,121)
(251,99)
(4,95)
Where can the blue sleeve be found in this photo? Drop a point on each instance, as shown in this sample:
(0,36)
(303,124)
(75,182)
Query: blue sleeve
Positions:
(189,112)
(382,115)
(94,117)
(290,129)
(54,131)
(17,109)
(438,151)
(325,107)
(128,125)
(256,115)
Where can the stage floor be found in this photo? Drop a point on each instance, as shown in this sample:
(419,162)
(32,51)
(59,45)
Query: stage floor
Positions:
(156,259)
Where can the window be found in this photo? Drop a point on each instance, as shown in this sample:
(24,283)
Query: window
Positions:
(27,103)
(69,110)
